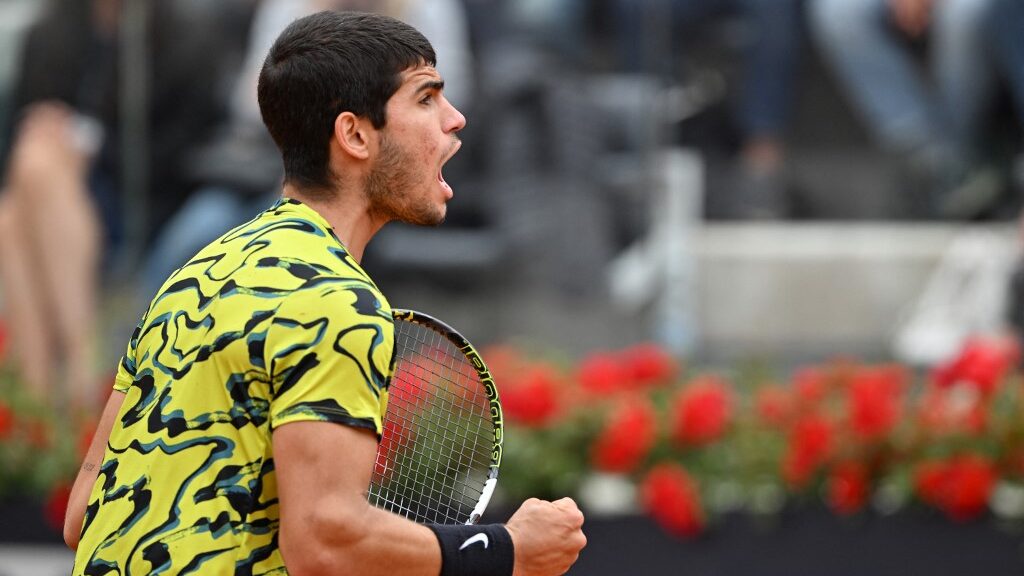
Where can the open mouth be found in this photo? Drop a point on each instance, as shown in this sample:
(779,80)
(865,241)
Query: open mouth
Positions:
(456,144)
(440,179)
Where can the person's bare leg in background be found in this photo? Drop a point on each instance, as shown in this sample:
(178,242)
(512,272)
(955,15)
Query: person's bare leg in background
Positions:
(50,256)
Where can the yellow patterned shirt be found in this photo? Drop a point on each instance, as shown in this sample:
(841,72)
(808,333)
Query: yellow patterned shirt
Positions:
(272,323)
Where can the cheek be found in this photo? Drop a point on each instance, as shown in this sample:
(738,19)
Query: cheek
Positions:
(429,145)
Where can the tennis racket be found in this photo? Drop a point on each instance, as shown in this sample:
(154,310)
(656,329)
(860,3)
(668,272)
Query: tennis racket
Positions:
(441,443)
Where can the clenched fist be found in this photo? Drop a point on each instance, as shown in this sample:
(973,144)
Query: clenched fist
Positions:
(547,536)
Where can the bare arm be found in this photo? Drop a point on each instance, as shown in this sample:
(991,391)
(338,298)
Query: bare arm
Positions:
(90,469)
(327,525)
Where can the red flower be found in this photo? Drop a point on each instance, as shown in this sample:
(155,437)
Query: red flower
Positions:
(627,438)
(960,487)
(874,402)
(971,480)
(395,438)
(532,398)
(982,362)
(603,374)
(774,405)
(810,443)
(702,411)
(848,487)
(408,390)
(811,385)
(648,365)
(6,421)
(671,497)
(930,480)
(56,506)
(960,408)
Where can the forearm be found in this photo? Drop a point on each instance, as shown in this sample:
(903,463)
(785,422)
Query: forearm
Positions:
(87,474)
(375,541)
(78,501)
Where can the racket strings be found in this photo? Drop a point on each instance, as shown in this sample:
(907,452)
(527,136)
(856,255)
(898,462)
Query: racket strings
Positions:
(436,478)
(438,434)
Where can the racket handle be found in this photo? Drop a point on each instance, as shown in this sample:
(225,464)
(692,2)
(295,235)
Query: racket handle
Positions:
(485,497)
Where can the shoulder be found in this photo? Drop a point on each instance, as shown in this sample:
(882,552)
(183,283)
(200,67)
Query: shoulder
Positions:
(336,299)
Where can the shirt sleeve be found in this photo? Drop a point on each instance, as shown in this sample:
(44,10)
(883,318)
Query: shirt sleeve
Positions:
(329,355)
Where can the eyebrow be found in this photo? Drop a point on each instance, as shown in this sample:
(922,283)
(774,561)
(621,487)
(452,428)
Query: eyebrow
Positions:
(431,85)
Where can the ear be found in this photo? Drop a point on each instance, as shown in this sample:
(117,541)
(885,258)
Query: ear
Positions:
(353,135)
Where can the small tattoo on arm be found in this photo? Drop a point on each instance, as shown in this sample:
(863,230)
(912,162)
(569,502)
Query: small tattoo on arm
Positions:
(88,466)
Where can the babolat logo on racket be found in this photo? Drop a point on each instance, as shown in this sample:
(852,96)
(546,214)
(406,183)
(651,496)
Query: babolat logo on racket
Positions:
(495,407)
(492,397)
(474,357)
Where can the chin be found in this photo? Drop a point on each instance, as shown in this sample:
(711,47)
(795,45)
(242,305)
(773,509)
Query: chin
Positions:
(432,217)
(436,216)
(438,219)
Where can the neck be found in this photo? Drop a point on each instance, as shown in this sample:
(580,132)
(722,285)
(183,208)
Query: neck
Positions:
(348,215)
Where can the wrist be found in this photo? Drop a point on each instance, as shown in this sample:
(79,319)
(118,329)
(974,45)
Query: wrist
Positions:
(475,550)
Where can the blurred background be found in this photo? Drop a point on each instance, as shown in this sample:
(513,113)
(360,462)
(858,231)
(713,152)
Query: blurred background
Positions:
(792,224)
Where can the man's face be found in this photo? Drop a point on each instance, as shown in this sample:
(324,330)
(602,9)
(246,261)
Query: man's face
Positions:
(419,137)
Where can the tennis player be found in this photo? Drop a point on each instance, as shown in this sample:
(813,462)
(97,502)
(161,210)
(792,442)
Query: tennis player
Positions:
(243,426)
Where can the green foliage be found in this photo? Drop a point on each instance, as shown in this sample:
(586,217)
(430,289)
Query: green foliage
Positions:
(38,447)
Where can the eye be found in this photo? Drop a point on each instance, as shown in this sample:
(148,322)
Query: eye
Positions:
(427,99)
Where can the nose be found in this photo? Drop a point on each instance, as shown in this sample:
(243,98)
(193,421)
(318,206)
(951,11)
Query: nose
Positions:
(454,120)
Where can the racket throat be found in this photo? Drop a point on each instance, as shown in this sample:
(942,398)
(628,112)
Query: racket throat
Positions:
(485,498)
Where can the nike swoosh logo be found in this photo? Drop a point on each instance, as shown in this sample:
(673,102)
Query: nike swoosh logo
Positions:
(481,537)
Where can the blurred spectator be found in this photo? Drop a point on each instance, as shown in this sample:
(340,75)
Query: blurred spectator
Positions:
(771,54)
(1006,28)
(60,205)
(239,172)
(557,26)
(1006,25)
(930,119)
(57,186)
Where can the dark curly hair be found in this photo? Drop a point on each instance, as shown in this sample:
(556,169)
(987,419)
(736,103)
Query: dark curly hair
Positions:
(325,64)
